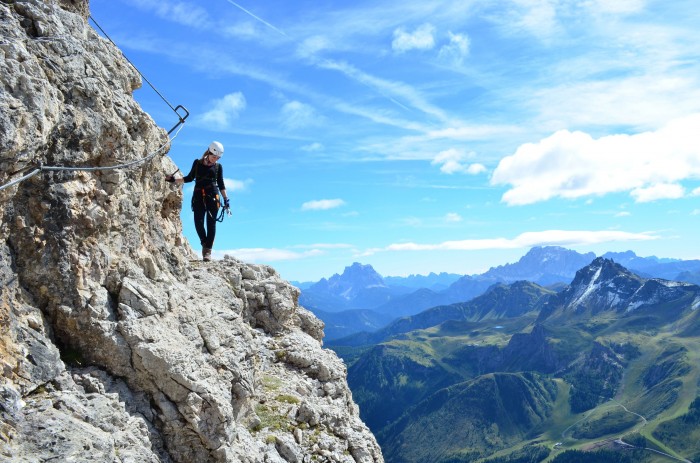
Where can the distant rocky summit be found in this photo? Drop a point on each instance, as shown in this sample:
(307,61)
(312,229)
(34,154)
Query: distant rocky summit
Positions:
(116,345)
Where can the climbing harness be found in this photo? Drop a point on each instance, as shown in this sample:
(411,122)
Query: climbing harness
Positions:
(179,110)
(225,210)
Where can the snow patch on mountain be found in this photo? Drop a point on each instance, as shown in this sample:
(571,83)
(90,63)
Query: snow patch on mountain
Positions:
(696,304)
(591,288)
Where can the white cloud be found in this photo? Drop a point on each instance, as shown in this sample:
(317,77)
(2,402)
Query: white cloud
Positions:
(696,192)
(388,89)
(695,212)
(297,115)
(536,17)
(649,165)
(453,217)
(472,132)
(453,161)
(658,191)
(312,46)
(456,50)
(420,39)
(237,185)
(526,240)
(623,214)
(648,98)
(322,204)
(476,168)
(225,109)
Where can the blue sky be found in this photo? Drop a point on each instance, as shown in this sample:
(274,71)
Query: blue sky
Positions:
(430,136)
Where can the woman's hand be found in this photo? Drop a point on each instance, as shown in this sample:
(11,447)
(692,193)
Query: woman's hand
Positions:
(172,179)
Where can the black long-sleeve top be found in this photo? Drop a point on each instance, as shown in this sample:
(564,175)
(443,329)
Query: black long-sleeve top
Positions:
(206,177)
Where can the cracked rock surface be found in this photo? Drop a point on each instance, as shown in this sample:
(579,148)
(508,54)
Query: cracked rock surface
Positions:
(116,345)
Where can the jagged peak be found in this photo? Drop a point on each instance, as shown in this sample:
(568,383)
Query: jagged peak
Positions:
(601,269)
(358,268)
(607,285)
(357,274)
(544,264)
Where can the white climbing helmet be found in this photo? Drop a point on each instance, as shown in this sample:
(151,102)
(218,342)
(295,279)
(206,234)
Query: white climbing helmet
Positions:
(216,148)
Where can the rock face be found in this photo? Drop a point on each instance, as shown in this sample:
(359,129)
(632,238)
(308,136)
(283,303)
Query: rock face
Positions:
(115,345)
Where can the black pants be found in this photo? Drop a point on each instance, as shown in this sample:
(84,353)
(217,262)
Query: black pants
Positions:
(205,208)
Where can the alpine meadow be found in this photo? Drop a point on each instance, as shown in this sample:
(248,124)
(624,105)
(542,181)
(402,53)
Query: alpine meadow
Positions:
(605,369)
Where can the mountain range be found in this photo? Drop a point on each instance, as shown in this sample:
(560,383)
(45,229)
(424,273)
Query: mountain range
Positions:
(525,373)
(361,300)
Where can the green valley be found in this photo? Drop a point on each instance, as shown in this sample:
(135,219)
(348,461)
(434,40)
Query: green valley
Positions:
(605,370)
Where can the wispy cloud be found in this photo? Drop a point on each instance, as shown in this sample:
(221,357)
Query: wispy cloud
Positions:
(224,110)
(646,101)
(310,47)
(525,240)
(535,17)
(402,95)
(456,51)
(237,185)
(201,58)
(390,89)
(322,204)
(648,165)
(186,13)
(453,217)
(296,115)
(658,191)
(453,161)
(420,39)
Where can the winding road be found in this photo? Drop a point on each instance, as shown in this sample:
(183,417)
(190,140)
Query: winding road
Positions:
(619,440)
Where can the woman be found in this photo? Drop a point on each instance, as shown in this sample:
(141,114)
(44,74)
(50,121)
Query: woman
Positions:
(209,182)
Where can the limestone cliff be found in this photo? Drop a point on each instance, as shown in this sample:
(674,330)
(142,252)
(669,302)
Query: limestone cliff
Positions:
(116,345)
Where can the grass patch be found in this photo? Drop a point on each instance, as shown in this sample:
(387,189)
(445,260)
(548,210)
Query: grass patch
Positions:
(287,398)
(271,383)
(609,423)
(272,419)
